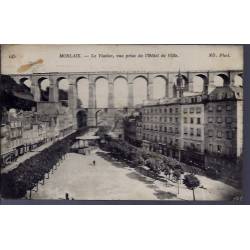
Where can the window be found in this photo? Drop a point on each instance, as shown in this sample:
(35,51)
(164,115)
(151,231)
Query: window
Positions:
(165,119)
(185,131)
(191,131)
(210,147)
(219,148)
(229,135)
(176,131)
(185,110)
(176,110)
(210,119)
(191,110)
(170,110)
(210,133)
(198,147)
(228,107)
(160,128)
(219,134)
(198,110)
(210,108)
(185,119)
(160,110)
(165,110)
(160,119)
(191,120)
(170,129)
(219,119)
(176,119)
(198,120)
(170,119)
(228,119)
(198,132)
(219,108)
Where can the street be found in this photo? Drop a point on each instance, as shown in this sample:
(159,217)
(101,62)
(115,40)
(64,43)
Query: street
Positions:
(112,180)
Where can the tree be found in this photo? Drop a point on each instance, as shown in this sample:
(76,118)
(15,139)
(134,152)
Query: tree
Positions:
(191,182)
(212,173)
(177,176)
(167,172)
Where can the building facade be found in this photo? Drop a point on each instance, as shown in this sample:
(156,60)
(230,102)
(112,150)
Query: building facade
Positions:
(204,130)
(192,129)
(132,129)
(23,131)
(224,127)
(161,127)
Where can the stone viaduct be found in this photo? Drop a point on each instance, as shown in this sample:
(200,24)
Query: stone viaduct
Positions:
(174,88)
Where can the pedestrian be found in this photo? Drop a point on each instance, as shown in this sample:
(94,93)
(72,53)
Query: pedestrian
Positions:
(66,196)
(94,163)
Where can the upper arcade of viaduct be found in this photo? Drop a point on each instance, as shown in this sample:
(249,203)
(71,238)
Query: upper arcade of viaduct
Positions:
(173,86)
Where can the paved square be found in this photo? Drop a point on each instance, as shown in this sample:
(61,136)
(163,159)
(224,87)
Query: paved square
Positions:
(112,180)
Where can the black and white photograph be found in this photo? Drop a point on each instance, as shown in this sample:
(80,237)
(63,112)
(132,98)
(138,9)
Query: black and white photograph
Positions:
(124,125)
(122,122)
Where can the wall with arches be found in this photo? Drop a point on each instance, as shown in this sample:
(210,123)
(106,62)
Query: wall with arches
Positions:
(126,89)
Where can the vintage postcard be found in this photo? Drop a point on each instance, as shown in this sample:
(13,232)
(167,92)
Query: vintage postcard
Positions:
(121,122)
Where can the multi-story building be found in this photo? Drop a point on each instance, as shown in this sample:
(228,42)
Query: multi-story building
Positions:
(192,129)
(161,127)
(26,124)
(11,137)
(6,150)
(205,130)
(23,131)
(15,132)
(139,131)
(224,126)
(132,130)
